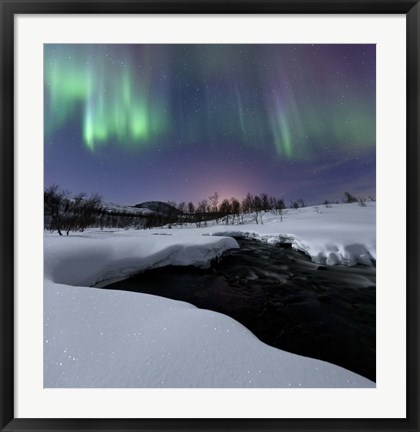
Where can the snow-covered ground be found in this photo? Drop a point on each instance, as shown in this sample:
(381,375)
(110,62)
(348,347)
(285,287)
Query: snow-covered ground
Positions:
(341,234)
(104,338)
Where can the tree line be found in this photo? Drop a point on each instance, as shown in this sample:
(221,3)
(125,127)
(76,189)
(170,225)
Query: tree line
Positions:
(65,212)
(229,211)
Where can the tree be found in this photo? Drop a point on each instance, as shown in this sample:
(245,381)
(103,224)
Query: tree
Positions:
(247,203)
(182,207)
(362,202)
(272,202)
(265,204)
(214,202)
(257,207)
(81,212)
(236,208)
(63,213)
(301,202)
(54,201)
(349,198)
(73,209)
(202,206)
(200,211)
(225,209)
(191,208)
(294,204)
(91,207)
(280,208)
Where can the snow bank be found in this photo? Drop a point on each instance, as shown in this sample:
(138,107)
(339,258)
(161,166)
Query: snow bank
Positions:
(341,234)
(104,338)
(101,255)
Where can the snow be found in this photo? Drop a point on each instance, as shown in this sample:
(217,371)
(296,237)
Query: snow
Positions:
(103,338)
(341,234)
(85,259)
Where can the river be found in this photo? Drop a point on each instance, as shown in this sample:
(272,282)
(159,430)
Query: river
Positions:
(285,299)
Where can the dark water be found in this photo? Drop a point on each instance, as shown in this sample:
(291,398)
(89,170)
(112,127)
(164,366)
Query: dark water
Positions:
(286,300)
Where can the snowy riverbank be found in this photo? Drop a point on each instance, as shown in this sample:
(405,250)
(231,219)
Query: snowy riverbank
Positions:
(340,234)
(104,338)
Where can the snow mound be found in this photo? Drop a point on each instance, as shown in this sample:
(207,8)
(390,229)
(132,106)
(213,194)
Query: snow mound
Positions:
(96,256)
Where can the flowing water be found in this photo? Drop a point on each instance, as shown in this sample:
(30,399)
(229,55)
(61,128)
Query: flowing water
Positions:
(286,300)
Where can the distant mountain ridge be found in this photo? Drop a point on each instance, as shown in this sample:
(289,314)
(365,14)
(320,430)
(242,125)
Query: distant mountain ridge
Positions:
(121,208)
(147,208)
(159,207)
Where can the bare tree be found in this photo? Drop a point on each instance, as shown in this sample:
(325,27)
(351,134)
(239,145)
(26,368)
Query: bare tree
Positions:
(191,208)
(73,209)
(62,213)
(265,204)
(226,209)
(280,208)
(82,212)
(257,208)
(202,206)
(200,212)
(294,204)
(349,198)
(54,200)
(182,208)
(272,203)
(236,208)
(214,202)
(247,203)
(301,203)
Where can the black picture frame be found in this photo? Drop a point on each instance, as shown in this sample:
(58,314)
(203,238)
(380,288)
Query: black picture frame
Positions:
(9,8)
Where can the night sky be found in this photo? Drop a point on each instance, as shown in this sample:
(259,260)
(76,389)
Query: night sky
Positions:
(179,122)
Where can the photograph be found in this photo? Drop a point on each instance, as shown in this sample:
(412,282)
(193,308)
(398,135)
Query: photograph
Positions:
(209,215)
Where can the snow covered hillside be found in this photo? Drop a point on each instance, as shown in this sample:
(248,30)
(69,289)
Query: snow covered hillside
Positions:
(103,338)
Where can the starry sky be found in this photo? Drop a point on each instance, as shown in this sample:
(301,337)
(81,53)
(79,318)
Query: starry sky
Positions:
(179,122)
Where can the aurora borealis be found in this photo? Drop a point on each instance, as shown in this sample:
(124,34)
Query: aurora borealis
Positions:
(179,122)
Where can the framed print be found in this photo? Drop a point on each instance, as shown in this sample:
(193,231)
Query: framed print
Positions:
(209,215)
